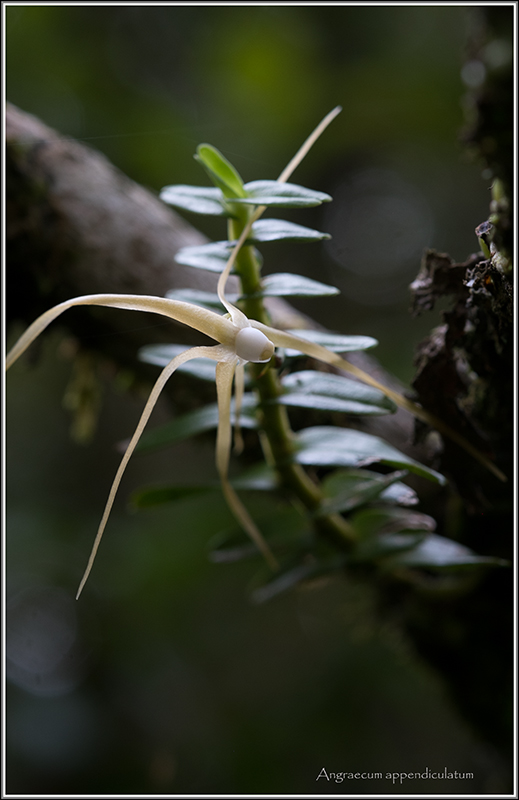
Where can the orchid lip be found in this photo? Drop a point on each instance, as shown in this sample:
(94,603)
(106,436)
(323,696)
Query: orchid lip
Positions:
(252,345)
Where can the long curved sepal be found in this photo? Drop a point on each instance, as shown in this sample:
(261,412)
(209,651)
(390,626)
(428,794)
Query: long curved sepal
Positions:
(202,319)
(285,339)
(224,378)
(195,352)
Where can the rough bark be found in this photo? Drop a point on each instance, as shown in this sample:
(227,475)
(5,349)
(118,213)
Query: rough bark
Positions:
(465,376)
(76,225)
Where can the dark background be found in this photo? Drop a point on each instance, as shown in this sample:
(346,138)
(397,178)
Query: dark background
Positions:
(164,678)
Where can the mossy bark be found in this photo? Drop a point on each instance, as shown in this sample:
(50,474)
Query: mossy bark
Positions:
(465,377)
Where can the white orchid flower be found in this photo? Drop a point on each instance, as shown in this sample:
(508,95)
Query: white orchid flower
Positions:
(239,340)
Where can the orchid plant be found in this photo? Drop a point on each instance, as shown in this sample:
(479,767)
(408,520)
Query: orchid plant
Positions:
(244,336)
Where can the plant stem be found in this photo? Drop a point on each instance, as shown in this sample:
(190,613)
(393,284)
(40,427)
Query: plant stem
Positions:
(273,416)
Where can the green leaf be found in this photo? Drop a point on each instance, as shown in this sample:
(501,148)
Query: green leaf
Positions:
(437,552)
(194,422)
(370,521)
(343,447)
(286,195)
(278,285)
(161,355)
(347,489)
(198,199)
(335,342)
(399,494)
(385,544)
(286,284)
(273,230)
(221,171)
(258,478)
(321,390)
(213,256)
(384,531)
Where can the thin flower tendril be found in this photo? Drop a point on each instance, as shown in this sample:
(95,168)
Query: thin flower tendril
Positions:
(215,352)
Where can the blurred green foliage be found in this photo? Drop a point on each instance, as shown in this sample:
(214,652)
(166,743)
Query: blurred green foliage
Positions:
(172,682)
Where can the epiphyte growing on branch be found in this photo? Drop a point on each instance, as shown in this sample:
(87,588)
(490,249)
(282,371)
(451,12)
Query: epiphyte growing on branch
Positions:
(240,338)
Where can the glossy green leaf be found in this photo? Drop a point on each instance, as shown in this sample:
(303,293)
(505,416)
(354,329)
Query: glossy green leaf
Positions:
(335,342)
(322,390)
(221,171)
(370,521)
(286,195)
(212,256)
(386,544)
(437,552)
(286,284)
(197,199)
(341,447)
(399,494)
(347,489)
(194,422)
(273,230)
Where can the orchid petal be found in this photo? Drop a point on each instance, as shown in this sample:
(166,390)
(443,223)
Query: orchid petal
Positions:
(224,377)
(202,319)
(308,144)
(284,339)
(237,316)
(239,386)
(196,352)
(289,340)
